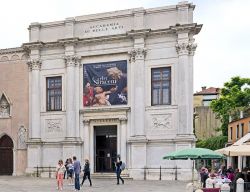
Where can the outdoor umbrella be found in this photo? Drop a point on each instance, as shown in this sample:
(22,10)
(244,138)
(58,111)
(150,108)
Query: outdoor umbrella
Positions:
(236,150)
(193,154)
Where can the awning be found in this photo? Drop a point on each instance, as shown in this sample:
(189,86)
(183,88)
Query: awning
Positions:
(239,148)
(236,150)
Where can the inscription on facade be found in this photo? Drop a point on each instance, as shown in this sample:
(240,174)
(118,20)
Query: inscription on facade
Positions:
(54,125)
(113,26)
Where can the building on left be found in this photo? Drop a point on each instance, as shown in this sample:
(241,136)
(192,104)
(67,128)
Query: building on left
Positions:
(14,111)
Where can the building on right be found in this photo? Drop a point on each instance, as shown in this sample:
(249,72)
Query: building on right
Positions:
(206,123)
(239,138)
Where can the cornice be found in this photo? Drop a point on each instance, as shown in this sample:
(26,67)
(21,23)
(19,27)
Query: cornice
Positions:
(186,28)
(68,41)
(12,50)
(104,109)
(138,33)
(181,5)
(143,33)
(33,45)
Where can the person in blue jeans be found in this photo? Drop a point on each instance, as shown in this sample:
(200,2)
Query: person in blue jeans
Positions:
(77,171)
(118,171)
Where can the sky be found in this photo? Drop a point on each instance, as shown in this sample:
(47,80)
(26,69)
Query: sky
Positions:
(223,43)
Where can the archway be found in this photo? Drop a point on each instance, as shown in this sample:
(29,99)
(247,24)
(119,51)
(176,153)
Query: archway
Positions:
(6,155)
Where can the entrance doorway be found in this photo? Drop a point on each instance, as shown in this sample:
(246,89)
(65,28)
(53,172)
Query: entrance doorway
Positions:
(6,155)
(105,148)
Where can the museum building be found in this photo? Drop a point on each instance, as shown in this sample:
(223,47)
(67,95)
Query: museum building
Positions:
(115,84)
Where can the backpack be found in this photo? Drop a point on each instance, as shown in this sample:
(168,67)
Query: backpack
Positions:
(123,165)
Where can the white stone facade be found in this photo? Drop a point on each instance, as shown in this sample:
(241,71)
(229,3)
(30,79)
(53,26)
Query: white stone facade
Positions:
(146,39)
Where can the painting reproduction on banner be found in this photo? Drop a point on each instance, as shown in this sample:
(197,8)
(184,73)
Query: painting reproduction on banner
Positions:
(105,84)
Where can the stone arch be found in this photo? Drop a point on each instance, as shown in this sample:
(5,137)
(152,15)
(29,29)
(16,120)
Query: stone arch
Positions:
(24,57)
(6,155)
(4,106)
(4,58)
(14,57)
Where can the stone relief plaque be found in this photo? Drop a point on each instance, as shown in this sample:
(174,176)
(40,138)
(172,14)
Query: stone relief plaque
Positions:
(54,125)
(160,124)
(22,137)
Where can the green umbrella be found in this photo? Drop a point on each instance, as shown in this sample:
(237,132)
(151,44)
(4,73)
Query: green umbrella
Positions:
(194,153)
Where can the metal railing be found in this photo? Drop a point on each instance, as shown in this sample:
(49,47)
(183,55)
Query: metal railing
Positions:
(147,170)
(40,170)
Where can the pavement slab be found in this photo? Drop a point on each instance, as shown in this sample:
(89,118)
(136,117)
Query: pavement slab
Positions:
(31,184)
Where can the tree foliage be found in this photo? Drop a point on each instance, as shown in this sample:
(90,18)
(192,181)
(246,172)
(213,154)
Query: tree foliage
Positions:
(234,97)
(212,143)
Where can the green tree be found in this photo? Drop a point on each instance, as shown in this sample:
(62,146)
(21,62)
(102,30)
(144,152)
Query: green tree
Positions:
(212,143)
(234,97)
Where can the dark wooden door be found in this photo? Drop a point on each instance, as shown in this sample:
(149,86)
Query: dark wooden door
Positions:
(106,149)
(6,155)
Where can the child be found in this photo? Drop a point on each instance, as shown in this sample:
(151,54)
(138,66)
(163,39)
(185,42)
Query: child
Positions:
(60,169)
(101,97)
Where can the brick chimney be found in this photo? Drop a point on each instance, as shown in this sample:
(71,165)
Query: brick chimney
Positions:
(203,88)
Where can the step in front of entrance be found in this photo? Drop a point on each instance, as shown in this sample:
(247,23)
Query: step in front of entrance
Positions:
(109,176)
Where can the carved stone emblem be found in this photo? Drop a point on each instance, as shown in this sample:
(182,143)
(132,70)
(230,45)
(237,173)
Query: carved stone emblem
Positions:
(71,60)
(34,64)
(160,124)
(137,53)
(54,125)
(22,137)
(186,48)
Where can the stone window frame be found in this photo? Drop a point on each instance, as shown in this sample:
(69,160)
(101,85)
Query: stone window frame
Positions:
(51,89)
(9,106)
(161,81)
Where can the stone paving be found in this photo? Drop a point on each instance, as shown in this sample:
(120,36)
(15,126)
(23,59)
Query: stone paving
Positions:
(30,184)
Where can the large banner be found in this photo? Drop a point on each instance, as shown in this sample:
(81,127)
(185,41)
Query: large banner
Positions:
(105,84)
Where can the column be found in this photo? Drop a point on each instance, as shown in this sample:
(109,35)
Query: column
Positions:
(185,50)
(92,149)
(138,91)
(86,139)
(77,98)
(123,138)
(119,141)
(240,165)
(35,67)
(71,62)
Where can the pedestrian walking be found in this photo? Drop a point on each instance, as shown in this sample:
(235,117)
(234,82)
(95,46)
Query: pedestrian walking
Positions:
(77,171)
(86,171)
(60,168)
(66,171)
(70,173)
(118,171)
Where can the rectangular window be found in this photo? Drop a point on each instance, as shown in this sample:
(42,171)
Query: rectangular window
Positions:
(54,93)
(249,126)
(242,129)
(161,86)
(237,132)
(231,133)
